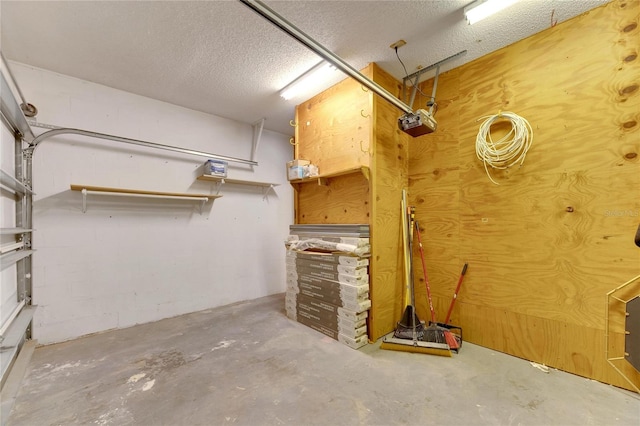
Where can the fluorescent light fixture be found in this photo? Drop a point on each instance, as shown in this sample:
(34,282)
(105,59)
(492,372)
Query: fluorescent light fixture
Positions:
(314,77)
(480,9)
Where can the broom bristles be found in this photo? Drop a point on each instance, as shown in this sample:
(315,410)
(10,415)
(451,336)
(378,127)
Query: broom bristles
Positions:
(434,334)
(404,332)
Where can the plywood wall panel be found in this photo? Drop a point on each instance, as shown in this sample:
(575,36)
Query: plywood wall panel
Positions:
(389,177)
(342,128)
(434,190)
(548,243)
(335,127)
(344,199)
(573,348)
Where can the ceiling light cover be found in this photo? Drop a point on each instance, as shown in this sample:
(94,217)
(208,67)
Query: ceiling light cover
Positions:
(311,79)
(480,9)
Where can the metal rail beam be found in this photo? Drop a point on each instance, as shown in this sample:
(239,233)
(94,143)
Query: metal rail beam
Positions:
(276,19)
(432,66)
(68,131)
(12,112)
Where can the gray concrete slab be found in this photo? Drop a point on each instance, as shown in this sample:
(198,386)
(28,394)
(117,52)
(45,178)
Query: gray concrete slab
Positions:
(247,364)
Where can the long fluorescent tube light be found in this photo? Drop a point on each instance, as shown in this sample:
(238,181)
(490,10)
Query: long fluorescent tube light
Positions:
(314,77)
(480,9)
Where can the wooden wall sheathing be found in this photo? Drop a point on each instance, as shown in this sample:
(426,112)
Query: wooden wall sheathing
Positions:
(334,133)
(335,127)
(546,245)
(344,199)
(389,177)
(342,128)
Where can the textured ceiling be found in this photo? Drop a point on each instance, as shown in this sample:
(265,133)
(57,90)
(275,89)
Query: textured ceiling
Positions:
(222,58)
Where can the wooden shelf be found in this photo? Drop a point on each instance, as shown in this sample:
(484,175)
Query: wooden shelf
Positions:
(321,179)
(266,186)
(101,190)
(236,181)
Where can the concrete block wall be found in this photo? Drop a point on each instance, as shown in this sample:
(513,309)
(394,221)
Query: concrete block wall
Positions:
(128,261)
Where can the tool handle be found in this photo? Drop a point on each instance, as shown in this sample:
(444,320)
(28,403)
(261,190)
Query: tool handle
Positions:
(455,294)
(424,270)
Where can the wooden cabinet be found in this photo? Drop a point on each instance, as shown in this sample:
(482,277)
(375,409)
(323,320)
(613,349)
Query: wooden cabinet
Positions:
(352,136)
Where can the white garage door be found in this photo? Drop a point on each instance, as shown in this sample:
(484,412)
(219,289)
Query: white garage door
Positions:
(15,232)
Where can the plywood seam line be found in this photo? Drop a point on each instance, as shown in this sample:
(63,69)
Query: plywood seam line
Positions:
(276,19)
(55,130)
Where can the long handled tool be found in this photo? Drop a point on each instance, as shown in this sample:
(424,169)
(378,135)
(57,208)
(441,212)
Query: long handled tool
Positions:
(455,294)
(458,336)
(434,332)
(409,333)
(409,326)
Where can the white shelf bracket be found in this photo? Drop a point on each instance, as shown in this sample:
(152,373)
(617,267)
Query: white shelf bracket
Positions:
(266,190)
(84,200)
(258,126)
(219,186)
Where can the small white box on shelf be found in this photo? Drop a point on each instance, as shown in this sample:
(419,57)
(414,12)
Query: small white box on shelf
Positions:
(215,168)
(298,169)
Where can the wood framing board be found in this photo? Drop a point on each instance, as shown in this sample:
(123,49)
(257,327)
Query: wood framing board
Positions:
(388,178)
(334,127)
(546,245)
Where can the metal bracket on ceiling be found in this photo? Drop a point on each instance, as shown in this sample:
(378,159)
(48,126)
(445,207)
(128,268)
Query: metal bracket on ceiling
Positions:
(416,77)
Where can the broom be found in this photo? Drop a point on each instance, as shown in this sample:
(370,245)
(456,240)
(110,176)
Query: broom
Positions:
(409,333)
(434,333)
(409,326)
(453,301)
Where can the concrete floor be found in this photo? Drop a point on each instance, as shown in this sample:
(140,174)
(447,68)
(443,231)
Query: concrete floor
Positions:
(247,364)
